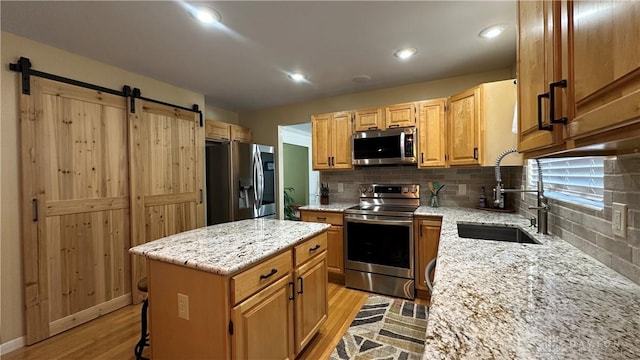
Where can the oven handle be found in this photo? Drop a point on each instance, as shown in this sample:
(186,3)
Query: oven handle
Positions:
(379,222)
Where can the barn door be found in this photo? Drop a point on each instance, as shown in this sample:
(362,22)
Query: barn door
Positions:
(75,206)
(167,172)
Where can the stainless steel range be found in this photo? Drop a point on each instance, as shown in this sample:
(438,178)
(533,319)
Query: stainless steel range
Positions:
(379,240)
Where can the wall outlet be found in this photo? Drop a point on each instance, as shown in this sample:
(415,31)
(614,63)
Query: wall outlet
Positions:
(462,189)
(340,187)
(619,219)
(183,306)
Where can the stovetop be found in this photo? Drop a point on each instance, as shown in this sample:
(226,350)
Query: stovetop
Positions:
(387,199)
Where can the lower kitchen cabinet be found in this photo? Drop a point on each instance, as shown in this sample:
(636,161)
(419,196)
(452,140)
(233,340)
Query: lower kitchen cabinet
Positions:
(427,240)
(263,324)
(335,237)
(311,301)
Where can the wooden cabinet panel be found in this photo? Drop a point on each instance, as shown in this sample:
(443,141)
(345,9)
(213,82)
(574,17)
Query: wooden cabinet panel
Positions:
(311,302)
(428,239)
(263,324)
(369,119)
(331,141)
(400,115)
(464,114)
(259,276)
(432,133)
(335,250)
(321,141)
(604,65)
(240,134)
(310,248)
(217,130)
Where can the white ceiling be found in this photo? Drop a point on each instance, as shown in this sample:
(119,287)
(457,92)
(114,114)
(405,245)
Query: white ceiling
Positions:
(243,64)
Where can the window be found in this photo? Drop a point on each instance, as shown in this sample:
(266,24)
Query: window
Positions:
(578,180)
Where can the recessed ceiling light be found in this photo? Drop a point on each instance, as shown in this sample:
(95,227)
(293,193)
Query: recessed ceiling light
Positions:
(297,77)
(492,31)
(405,53)
(206,15)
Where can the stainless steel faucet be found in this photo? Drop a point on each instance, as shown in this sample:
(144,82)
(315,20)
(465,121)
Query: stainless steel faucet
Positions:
(542,204)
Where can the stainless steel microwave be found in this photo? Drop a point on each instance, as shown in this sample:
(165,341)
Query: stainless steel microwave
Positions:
(384,147)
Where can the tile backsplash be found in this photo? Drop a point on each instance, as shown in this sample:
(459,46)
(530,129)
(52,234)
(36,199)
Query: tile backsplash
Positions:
(456,181)
(590,230)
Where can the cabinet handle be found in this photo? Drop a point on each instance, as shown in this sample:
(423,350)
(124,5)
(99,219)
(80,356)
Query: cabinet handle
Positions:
(273,271)
(393,126)
(293,290)
(329,158)
(475,153)
(314,248)
(421,157)
(34,207)
(552,102)
(333,161)
(300,283)
(540,126)
(321,218)
(372,128)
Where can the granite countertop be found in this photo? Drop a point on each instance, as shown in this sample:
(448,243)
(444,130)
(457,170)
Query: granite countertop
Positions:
(335,207)
(227,248)
(500,300)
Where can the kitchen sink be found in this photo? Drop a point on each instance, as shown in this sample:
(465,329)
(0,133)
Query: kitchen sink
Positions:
(497,233)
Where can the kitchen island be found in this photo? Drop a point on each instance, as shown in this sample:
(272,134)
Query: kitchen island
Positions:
(235,290)
(501,300)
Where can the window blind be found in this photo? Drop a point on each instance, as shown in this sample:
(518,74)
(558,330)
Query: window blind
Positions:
(577,179)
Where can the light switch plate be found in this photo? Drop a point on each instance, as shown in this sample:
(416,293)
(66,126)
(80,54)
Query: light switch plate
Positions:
(619,219)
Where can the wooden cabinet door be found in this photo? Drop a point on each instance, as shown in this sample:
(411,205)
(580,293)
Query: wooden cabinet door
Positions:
(341,141)
(311,306)
(217,130)
(167,175)
(428,240)
(431,133)
(335,250)
(400,115)
(537,53)
(464,128)
(74,206)
(263,324)
(321,141)
(604,63)
(369,119)
(241,134)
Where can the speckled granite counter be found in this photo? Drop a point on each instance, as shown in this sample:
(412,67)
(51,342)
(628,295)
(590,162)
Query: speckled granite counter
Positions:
(337,207)
(497,300)
(227,248)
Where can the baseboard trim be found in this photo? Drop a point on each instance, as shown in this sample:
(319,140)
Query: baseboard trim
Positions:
(11,345)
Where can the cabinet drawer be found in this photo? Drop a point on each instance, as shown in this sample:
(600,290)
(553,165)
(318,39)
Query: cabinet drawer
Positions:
(333,218)
(260,276)
(310,248)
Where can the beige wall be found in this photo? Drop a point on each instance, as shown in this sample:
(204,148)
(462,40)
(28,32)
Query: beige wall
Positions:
(55,61)
(213,113)
(264,123)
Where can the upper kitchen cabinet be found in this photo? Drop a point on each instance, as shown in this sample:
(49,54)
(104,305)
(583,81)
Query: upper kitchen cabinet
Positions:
(538,66)
(221,131)
(331,140)
(431,133)
(369,119)
(579,74)
(400,115)
(603,72)
(480,122)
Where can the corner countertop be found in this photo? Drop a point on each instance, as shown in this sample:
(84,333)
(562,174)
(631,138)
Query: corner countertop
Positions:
(227,248)
(335,207)
(499,300)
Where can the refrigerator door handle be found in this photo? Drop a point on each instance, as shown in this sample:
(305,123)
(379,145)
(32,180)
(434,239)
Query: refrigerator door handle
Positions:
(255,178)
(260,178)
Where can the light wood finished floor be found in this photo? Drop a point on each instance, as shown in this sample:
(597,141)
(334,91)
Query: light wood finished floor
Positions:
(113,336)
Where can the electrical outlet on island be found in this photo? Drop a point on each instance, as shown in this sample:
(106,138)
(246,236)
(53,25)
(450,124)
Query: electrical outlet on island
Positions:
(183,306)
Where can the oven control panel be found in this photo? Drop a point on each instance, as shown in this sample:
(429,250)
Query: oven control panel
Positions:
(390,190)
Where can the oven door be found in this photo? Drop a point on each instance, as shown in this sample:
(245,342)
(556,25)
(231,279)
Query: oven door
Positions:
(379,244)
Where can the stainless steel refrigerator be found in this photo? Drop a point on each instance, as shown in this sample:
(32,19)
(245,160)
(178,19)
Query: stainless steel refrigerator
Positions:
(240,181)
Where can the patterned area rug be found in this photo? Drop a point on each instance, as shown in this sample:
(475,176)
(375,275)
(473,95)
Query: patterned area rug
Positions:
(385,328)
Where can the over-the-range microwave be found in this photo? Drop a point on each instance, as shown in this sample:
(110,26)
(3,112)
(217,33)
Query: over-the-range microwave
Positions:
(384,147)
